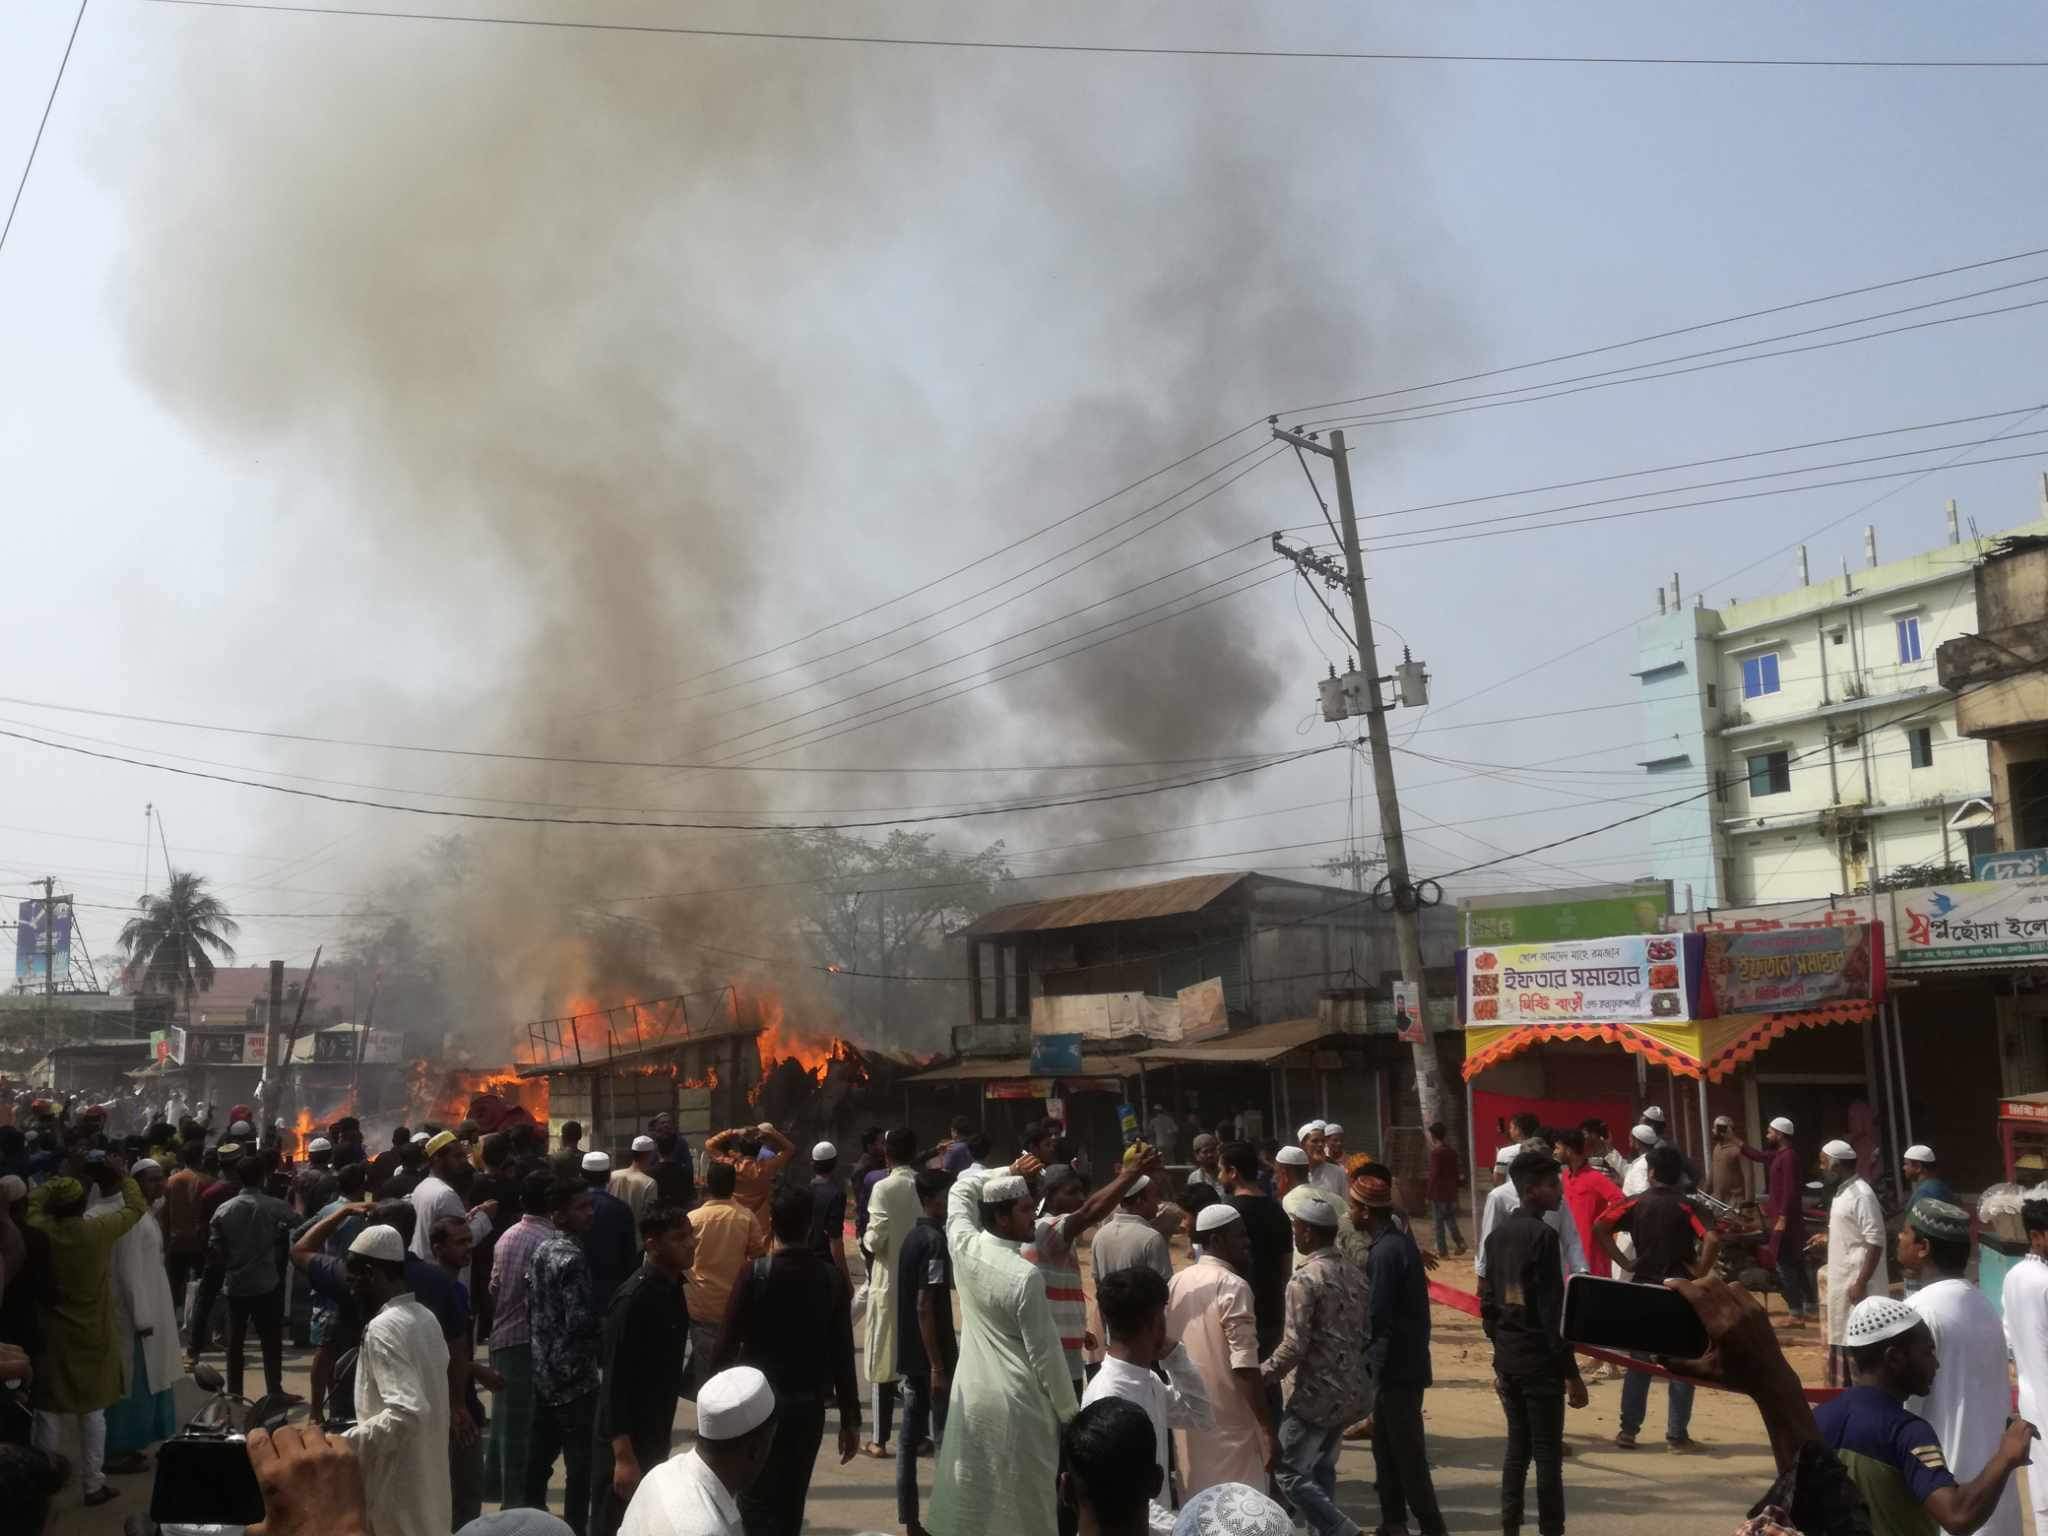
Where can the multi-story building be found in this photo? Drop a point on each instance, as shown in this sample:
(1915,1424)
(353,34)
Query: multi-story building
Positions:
(1819,749)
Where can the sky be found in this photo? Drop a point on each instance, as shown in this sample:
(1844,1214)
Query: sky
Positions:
(529,389)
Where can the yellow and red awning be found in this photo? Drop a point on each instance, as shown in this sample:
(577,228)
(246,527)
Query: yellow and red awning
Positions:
(1709,1048)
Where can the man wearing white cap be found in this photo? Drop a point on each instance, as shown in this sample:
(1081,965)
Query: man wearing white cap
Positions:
(1970,1399)
(1785,1217)
(1209,1308)
(1893,1456)
(1325,1167)
(634,1184)
(1855,1244)
(698,1494)
(2024,1302)
(1290,1171)
(999,1461)
(434,1196)
(1642,1137)
(1322,1347)
(401,1428)
(1128,1239)
(1922,1181)
(611,1241)
(1503,1199)
(828,1209)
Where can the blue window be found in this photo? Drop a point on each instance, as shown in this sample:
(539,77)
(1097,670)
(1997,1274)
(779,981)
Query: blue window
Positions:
(1909,639)
(1759,675)
(1770,773)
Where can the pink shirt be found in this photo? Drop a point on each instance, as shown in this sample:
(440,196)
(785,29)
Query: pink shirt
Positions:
(1209,1309)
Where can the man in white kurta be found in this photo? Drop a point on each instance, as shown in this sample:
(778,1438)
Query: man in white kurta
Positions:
(401,1428)
(893,1214)
(1969,1400)
(1856,1242)
(1502,1199)
(1011,1394)
(2025,1303)
(148,1328)
(1209,1309)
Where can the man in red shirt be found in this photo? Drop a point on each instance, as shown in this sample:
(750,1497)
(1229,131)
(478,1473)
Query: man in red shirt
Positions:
(1587,1192)
(1442,1189)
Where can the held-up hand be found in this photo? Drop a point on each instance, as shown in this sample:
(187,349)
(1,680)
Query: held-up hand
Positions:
(849,1441)
(1742,1348)
(1027,1165)
(312,1484)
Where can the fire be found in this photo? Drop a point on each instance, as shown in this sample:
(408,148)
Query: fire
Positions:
(447,1097)
(779,1041)
(302,1128)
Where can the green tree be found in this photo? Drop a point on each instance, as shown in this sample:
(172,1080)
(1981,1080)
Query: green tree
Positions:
(168,948)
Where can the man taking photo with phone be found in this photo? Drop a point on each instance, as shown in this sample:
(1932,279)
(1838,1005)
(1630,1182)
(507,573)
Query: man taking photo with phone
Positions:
(1669,1241)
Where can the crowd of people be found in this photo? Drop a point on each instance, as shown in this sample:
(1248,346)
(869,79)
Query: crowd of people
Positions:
(485,1308)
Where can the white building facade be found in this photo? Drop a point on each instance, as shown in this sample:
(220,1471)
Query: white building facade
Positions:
(1809,727)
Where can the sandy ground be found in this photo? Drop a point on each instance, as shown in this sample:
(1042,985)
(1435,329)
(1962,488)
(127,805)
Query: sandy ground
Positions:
(1606,1489)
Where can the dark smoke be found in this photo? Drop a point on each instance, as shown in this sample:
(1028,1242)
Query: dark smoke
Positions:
(604,360)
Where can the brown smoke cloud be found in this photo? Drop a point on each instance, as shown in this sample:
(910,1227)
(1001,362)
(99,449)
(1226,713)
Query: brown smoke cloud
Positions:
(607,359)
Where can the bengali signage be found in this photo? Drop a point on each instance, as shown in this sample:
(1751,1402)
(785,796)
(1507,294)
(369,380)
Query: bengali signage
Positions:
(1633,978)
(2020,864)
(1588,917)
(1792,968)
(1980,921)
(1052,1055)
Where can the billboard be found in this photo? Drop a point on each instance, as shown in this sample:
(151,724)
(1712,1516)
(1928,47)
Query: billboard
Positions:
(1641,910)
(1978,921)
(42,941)
(1630,979)
(1793,968)
(2020,864)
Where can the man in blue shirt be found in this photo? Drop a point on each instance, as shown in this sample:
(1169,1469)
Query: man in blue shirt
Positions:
(1922,1181)
(1894,1457)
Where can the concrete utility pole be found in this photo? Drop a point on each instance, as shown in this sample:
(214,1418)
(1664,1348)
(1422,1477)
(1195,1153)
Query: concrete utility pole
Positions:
(267,1099)
(1428,1082)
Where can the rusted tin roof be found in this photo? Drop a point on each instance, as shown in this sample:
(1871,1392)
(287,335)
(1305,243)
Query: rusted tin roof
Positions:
(1164,898)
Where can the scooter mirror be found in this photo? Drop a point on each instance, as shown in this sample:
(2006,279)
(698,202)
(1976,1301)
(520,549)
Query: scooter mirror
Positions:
(207,1378)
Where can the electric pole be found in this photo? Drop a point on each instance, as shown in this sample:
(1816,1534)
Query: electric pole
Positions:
(1407,933)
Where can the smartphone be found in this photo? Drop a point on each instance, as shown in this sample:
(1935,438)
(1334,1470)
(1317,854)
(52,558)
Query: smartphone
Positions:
(205,1482)
(1636,1319)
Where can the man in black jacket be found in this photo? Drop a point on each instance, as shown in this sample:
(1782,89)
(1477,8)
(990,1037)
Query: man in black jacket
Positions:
(1521,1304)
(646,1331)
(792,1319)
(1397,1351)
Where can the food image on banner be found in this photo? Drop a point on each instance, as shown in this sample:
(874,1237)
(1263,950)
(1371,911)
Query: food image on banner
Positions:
(1628,979)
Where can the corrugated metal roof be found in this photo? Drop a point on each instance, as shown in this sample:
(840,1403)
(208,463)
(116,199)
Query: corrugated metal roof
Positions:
(1164,898)
(975,1069)
(1262,1042)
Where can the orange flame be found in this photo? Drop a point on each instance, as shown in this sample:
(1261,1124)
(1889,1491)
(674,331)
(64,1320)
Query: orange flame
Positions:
(780,1041)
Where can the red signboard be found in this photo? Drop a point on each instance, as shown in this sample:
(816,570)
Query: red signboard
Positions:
(1792,969)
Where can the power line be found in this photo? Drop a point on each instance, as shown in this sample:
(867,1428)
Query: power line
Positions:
(1126,50)
(41,123)
(591,821)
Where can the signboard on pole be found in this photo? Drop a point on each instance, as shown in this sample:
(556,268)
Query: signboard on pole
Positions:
(42,941)
(1613,911)
(1636,978)
(1793,968)
(1976,922)
(1408,1024)
(2020,864)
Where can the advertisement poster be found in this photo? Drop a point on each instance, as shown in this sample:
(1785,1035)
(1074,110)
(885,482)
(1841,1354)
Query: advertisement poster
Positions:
(1983,920)
(42,924)
(1586,917)
(1055,1055)
(1408,1023)
(1792,969)
(1637,978)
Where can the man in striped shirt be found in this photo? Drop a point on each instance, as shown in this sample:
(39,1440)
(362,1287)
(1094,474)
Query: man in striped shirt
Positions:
(511,1343)
(1067,1211)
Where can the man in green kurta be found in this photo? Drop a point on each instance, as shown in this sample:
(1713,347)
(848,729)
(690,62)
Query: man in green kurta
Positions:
(80,1371)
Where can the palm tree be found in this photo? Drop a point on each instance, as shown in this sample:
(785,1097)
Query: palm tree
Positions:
(169,947)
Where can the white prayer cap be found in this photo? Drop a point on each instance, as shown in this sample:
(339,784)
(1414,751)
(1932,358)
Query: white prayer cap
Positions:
(151,1165)
(13,1187)
(1644,1134)
(1004,1188)
(1221,1214)
(643,1144)
(421,1138)
(379,1243)
(1726,1120)
(1332,1128)
(1654,1115)
(241,1128)
(1837,1151)
(1293,1157)
(1138,1186)
(1313,1128)
(1877,1318)
(1502,1156)
(597,1162)
(1919,1152)
(1782,1126)
(823,1152)
(319,1144)
(1312,1205)
(1232,1509)
(733,1403)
